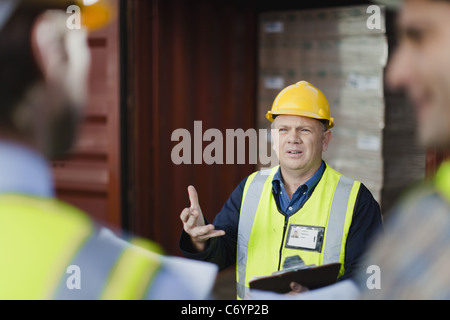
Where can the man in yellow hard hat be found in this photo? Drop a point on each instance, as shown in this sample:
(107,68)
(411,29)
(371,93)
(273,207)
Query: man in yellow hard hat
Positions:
(49,249)
(335,216)
(411,259)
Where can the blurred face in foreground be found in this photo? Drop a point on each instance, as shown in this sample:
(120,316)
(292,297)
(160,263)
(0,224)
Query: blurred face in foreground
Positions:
(421,66)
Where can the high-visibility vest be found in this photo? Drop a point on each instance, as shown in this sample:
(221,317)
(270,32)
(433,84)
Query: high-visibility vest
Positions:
(45,242)
(263,244)
(442,180)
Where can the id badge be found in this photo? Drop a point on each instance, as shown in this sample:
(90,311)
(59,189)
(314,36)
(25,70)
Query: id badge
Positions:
(308,238)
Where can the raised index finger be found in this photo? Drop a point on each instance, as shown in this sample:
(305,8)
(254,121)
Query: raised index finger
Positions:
(193,197)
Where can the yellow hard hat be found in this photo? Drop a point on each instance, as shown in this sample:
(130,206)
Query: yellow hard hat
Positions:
(94,14)
(302,99)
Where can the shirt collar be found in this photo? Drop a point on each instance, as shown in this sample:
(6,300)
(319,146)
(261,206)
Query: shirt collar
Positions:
(277,181)
(24,171)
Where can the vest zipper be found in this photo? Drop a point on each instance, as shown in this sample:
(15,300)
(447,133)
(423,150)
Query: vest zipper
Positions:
(286,220)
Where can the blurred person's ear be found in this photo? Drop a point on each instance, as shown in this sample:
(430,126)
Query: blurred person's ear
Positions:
(60,52)
(47,44)
(55,103)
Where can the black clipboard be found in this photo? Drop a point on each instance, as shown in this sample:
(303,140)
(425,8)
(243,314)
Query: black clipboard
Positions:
(311,277)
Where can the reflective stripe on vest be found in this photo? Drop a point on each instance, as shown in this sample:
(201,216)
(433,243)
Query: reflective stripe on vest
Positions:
(249,206)
(336,220)
(133,275)
(40,238)
(110,269)
(335,226)
(94,260)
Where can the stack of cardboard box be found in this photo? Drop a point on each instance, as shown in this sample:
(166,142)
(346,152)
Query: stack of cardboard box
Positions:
(343,51)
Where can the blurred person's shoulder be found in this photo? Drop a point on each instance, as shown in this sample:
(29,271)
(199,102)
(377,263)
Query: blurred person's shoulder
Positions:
(413,253)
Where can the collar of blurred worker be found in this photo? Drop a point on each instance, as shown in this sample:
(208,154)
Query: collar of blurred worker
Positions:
(303,192)
(24,171)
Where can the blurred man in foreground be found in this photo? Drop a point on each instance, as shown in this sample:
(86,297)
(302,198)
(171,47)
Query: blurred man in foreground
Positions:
(414,255)
(48,249)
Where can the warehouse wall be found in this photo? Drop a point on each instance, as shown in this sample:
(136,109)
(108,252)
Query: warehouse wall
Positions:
(187,61)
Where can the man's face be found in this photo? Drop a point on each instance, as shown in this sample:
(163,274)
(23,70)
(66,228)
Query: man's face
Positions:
(421,66)
(299,142)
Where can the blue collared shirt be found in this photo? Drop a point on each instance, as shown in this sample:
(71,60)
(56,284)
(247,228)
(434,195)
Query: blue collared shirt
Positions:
(24,171)
(303,192)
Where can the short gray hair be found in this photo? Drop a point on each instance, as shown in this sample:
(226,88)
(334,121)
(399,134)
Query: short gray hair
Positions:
(322,121)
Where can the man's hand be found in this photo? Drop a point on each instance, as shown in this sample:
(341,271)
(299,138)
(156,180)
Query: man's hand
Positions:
(296,288)
(194,223)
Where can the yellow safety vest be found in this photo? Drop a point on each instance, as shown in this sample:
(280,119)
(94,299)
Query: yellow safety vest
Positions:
(442,180)
(266,237)
(41,239)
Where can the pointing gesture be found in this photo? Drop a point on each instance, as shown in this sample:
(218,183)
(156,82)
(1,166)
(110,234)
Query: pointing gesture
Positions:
(194,223)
